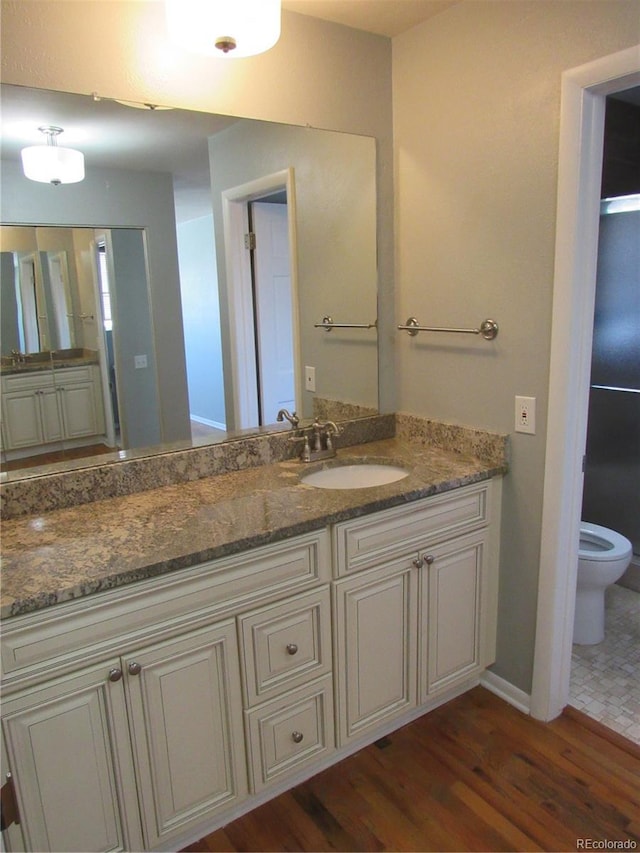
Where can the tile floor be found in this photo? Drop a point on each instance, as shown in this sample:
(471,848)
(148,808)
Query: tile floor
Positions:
(605,678)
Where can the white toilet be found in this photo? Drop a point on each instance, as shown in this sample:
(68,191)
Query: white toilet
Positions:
(603,557)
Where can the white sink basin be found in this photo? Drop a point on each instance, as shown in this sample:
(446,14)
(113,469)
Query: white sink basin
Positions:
(354,476)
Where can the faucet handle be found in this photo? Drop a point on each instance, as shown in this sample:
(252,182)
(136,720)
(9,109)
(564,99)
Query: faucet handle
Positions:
(305,455)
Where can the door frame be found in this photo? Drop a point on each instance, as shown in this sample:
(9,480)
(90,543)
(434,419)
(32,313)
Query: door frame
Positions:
(583,94)
(235,202)
(100,236)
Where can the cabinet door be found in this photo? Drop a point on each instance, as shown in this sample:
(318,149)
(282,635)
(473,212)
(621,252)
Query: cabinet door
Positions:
(69,752)
(21,415)
(186,714)
(78,409)
(451,600)
(51,415)
(376,647)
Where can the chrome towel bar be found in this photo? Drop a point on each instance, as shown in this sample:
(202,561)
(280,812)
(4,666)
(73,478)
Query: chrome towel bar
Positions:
(488,329)
(328,324)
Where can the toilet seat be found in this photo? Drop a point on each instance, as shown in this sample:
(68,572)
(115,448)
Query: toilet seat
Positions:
(600,544)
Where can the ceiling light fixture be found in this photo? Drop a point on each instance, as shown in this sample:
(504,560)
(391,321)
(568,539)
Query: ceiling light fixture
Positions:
(51,164)
(232,28)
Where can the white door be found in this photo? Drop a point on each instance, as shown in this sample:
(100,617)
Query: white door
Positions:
(61,299)
(274,309)
(33,335)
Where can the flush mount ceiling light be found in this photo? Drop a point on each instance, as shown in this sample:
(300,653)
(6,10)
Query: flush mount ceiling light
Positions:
(51,164)
(232,28)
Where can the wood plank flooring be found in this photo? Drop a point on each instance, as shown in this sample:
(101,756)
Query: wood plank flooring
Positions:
(56,456)
(475,774)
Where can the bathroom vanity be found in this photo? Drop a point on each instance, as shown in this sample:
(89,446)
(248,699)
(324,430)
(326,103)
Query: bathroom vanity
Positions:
(243,632)
(43,406)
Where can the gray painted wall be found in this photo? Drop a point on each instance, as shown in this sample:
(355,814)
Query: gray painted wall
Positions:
(335,191)
(201,318)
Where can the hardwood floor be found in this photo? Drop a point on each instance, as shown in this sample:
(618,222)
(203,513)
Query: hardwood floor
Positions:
(57,456)
(475,774)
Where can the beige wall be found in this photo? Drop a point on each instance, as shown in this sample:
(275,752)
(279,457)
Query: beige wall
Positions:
(476,95)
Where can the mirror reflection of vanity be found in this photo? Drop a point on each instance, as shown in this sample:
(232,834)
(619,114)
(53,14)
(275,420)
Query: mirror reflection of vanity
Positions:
(135,274)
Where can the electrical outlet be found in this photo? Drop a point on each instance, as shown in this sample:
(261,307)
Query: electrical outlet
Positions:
(139,361)
(526,415)
(310,378)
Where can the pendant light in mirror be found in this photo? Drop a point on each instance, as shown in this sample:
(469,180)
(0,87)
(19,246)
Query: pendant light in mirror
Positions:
(231,28)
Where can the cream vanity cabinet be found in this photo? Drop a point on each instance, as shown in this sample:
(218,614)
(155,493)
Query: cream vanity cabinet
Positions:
(415,604)
(143,717)
(43,407)
(123,712)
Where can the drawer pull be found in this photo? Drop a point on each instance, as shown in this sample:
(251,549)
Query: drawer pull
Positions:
(296,737)
(292,648)
(134,668)
(115,674)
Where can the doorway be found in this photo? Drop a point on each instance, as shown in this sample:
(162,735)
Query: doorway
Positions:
(261,279)
(584,90)
(605,676)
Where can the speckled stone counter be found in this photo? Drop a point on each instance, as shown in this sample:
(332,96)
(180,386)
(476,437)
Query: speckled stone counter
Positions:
(68,553)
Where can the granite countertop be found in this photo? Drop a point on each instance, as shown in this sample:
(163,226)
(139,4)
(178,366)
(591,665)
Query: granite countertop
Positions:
(69,553)
(45,361)
(46,367)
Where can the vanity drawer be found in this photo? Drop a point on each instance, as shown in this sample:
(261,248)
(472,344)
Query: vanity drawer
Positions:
(289,732)
(58,637)
(28,381)
(73,374)
(367,541)
(285,645)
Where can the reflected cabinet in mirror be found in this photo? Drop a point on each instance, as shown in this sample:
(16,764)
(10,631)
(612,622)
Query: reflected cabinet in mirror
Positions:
(176,295)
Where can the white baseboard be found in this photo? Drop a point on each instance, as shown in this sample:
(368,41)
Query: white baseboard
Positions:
(505,690)
(207,422)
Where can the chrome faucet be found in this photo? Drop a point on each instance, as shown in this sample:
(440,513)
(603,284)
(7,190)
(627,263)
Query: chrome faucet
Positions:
(293,419)
(313,439)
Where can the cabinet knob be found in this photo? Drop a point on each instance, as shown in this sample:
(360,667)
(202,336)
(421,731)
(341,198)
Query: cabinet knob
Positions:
(296,737)
(418,562)
(429,559)
(292,648)
(115,674)
(134,668)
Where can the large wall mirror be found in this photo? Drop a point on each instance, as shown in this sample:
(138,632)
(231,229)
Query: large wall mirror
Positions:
(178,293)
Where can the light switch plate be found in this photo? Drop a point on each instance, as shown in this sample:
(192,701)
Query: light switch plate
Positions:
(310,378)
